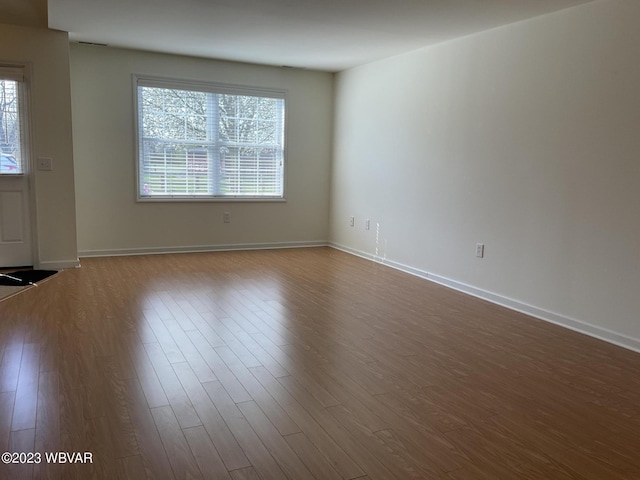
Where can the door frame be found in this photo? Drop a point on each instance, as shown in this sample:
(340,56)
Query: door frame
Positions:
(29,146)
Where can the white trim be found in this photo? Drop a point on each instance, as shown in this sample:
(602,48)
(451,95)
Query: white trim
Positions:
(13,72)
(353,251)
(510,303)
(120,252)
(202,199)
(59,264)
(207,86)
(31,167)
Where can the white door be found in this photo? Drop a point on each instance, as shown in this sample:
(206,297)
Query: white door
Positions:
(15,221)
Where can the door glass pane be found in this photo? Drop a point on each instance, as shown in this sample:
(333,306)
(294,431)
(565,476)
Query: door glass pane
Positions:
(10,141)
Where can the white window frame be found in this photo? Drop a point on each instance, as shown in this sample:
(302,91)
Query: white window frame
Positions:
(207,87)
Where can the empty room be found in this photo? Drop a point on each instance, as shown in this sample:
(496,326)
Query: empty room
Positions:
(275,239)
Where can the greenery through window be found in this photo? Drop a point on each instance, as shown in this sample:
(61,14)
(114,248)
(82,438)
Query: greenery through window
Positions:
(208,141)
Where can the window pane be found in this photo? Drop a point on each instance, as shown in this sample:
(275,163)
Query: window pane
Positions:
(10,132)
(252,171)
(174,169)
(195,143)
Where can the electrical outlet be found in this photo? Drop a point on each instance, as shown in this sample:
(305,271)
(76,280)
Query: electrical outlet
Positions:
(480,250)
(367,224)
(226,217)
(352,221)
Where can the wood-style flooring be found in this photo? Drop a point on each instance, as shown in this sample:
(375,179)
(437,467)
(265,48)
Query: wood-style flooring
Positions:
(302,364)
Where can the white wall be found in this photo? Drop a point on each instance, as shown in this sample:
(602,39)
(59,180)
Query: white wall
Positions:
(110,220)
(525,138)
(47,53)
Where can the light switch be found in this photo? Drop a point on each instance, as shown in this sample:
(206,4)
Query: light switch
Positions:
(45,163)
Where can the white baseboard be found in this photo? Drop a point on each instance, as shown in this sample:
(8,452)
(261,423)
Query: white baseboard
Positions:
(610,336)
(121,252)
(59,264)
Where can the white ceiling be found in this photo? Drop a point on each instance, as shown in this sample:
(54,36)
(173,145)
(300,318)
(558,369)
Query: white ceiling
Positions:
(329,35)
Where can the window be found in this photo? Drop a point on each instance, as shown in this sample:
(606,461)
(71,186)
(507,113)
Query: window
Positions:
(207,141)
(11,121)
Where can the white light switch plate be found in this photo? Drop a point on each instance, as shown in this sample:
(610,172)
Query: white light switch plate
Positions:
(45,163)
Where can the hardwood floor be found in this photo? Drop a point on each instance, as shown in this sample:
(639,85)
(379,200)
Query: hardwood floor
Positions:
(302,364)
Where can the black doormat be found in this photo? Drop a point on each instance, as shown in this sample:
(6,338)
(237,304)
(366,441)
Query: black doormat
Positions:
(25,277)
